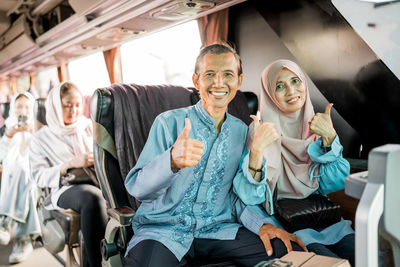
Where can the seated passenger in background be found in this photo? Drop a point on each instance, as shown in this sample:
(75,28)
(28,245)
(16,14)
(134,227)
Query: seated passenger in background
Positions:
(184,176)
(298,162)
(67,142)
(18,192)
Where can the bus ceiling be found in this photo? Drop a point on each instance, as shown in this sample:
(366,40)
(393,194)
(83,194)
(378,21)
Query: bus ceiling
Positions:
(41,33)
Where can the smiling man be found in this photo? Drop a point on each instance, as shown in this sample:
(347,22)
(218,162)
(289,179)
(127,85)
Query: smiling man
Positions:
(184,176)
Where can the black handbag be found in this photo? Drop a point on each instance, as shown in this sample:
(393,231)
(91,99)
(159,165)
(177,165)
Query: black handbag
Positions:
(80,176)
(315,212)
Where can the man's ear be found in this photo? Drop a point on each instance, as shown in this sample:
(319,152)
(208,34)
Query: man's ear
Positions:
(240,81)
(195,80)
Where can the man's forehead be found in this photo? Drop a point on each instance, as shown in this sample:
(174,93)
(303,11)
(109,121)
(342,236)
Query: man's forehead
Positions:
(223,61)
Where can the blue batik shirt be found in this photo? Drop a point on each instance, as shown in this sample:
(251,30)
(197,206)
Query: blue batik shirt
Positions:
(194,202)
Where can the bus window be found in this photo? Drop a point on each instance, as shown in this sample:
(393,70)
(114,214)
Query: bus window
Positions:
(89,73)
(23,84)
(45,79)
(162,58)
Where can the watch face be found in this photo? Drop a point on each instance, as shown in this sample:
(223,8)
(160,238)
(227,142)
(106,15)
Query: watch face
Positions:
(326,148)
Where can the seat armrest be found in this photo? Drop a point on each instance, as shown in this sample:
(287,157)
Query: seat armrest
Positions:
(123,215)
(357,165)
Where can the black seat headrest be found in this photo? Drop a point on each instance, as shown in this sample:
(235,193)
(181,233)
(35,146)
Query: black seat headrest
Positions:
(5,109)
(40,110)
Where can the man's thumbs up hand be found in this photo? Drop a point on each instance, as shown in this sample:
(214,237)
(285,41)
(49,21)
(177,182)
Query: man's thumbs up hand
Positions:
(321,124)
(188,127)
(186,152)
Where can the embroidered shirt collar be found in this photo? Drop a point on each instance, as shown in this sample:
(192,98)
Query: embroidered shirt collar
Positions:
(205,117)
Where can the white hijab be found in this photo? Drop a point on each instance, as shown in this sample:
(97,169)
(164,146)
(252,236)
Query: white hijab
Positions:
(54,117)
(19,144)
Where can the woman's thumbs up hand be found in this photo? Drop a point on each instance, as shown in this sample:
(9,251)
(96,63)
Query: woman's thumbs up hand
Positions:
(321,124)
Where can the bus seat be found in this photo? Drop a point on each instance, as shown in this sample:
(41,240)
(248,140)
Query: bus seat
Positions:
(252,102)
(111,172)
(4,109)
(40,113)
(378,211)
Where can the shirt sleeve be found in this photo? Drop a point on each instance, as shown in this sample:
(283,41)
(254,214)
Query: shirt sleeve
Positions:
(249,191)
(253,216)
(333,168)
(152,173)
(43,173)
(4,145)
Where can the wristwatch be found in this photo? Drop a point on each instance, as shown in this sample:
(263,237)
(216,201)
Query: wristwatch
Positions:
(326,149)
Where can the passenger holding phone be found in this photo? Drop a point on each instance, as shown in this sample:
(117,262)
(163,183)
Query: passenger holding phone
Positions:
(18,195)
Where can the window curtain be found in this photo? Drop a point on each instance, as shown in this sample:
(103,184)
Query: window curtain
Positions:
(13,86)
(112,57)
(214,27)
(32,85)
(62,71)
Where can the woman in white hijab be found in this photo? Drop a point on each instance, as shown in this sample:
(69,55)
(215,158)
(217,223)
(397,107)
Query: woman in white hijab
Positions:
(18,195)
(304,156)
(67,142)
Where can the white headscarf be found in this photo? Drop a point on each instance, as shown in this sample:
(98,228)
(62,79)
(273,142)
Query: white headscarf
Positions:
(54,117)
(287,158)
(20,142)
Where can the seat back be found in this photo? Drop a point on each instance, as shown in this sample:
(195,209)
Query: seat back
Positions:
(40,110)
(123,115)
(5,108)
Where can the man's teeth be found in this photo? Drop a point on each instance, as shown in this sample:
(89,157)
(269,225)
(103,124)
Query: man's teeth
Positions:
(219,93)
(292,100)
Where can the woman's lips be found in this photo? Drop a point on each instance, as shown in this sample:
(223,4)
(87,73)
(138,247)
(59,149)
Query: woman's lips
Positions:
(293,100)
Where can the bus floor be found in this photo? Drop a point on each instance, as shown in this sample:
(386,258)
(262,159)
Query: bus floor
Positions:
(38,258)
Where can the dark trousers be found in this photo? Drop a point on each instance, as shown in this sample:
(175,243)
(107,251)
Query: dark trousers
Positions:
(88,201)
(246,250)
(344,249)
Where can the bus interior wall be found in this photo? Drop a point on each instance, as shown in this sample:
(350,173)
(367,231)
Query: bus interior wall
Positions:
(342,67)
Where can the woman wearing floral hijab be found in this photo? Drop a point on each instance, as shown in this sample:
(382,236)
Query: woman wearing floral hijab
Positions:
(304,157)
(18,195)
(67,142)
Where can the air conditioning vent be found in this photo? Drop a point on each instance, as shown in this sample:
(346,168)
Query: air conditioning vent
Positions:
(178,10)
(80,49)
(118,34)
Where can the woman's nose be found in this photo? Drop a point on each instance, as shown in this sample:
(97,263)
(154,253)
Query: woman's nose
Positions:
(289,90)
(74,109)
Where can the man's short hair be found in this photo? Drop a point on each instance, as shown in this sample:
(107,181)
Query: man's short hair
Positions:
(217,49)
